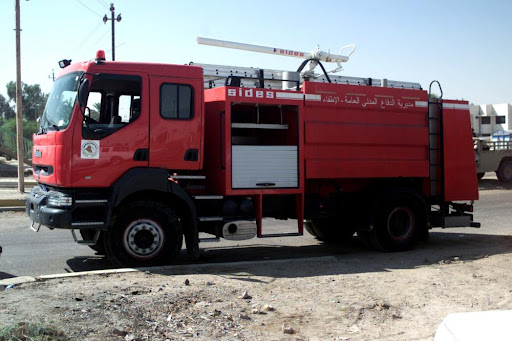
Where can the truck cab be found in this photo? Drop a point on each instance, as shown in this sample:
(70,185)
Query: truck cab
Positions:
(108,130)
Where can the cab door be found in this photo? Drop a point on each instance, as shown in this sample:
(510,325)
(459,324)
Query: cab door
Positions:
(176,123)
(113,136)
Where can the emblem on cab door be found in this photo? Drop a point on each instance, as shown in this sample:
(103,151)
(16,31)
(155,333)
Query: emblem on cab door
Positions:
(90,149)
(38,153)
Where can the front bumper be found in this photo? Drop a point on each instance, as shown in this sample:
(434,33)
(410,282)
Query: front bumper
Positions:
(40,213)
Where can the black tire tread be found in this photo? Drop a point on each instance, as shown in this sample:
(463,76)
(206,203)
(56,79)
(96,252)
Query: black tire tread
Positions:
(329,230)
(379,238)
(501,170)
(144,209)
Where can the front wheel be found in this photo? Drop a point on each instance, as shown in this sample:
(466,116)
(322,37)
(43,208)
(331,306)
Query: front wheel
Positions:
(144,234)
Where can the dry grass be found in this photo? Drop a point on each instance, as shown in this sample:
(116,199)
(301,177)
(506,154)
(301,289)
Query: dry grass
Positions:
(34,332)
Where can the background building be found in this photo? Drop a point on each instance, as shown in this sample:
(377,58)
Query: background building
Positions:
(489,118)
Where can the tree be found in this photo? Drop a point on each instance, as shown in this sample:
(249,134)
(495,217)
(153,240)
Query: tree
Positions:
(6,112)
(29,127)
(33,99)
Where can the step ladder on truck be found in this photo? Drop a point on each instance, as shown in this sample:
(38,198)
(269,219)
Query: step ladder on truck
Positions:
(228,146)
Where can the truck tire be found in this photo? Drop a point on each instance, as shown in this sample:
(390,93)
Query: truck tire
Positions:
(99,247)
(398,222)
(504,172)
(329,230)
(144,234)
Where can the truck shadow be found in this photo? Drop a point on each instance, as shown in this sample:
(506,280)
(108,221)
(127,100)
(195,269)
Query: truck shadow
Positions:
(349,258)
(5,275)
(88,263)
(492,183)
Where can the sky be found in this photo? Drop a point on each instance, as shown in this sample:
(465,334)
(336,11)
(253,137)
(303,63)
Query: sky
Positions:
(465,45)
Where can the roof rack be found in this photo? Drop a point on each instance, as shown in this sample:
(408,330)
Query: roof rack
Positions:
(249,77)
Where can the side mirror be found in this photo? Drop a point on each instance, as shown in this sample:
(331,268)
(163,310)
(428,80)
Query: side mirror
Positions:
(83,93)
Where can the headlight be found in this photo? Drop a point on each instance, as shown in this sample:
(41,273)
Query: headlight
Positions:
(59,200)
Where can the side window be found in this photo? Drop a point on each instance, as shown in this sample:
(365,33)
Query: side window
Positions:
(176,101)
(114,102)
(94,105)
(125,107)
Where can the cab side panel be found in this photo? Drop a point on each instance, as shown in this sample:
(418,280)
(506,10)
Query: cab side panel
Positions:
(176,123)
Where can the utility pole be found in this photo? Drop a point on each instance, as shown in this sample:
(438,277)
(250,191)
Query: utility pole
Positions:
(19,104)
(52,77)
(113,19)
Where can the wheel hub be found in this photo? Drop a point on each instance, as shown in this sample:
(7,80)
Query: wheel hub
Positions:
(143,238)
(400,223)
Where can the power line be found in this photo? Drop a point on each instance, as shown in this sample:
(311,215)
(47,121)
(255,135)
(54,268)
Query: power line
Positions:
(88,8)
(89,36)
(86,55)
(102,37)
(103,3)
(116,46)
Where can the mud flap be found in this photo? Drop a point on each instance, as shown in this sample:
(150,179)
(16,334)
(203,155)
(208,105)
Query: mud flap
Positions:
(192,240)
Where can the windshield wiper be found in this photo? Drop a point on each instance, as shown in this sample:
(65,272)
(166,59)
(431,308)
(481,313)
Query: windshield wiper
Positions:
(53,124)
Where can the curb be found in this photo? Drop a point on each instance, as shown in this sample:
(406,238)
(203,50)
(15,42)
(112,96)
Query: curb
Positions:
(17,280)
(13,202)
(11,184)
(168,268)
(12,208)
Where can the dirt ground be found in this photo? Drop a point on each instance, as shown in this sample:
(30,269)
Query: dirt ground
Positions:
(400,296)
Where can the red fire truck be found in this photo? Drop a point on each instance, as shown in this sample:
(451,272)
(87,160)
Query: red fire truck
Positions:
(137,157)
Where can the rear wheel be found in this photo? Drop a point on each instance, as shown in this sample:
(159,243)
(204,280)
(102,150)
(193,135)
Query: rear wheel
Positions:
(144,234)
(504,172)
(398,222)
(329,230)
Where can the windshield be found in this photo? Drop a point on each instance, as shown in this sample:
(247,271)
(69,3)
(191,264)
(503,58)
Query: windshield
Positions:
(58,110)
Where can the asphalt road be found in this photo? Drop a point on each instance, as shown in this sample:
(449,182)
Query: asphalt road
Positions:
(26,253)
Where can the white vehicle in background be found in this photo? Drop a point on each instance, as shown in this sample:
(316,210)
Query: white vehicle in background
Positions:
(493,156)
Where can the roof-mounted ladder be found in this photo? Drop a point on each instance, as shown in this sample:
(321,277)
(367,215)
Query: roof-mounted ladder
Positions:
(249,77)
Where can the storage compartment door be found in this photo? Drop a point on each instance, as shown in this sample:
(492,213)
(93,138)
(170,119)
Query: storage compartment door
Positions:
(264,167)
